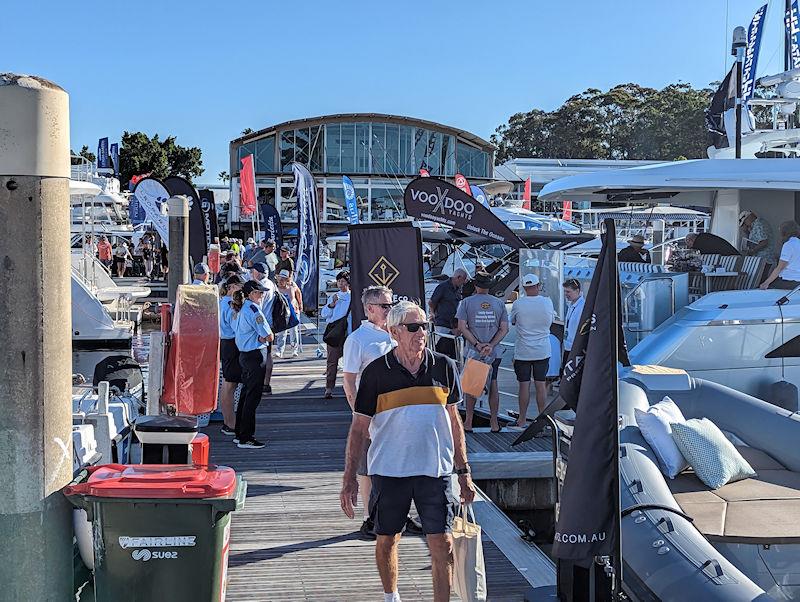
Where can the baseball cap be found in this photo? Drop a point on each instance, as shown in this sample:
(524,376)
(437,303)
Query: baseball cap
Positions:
(284,274)
(261,267)
(252,285)
(743,215)
(201,268)
(530,280)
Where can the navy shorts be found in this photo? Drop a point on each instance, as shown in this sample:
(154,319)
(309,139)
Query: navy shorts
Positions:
(524,368)
(391,498)
(229,357)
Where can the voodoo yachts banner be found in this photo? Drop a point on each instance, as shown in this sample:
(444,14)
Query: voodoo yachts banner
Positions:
(152,196)
(386,255)
(442,202)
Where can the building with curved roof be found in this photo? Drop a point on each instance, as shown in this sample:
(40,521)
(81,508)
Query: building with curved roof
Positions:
(380,153)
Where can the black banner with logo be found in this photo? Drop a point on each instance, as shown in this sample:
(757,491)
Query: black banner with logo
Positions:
(441,202)
(271,224)
(197,232)
(388,255)
(588,520)
(209,208)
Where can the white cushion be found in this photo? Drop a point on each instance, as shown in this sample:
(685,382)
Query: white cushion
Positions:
(654,425)
(714,459)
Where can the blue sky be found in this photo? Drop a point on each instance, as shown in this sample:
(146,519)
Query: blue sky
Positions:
(204,71)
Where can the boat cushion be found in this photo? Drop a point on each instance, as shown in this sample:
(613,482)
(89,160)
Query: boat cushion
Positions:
(654,424)
(762,509)
(714,459)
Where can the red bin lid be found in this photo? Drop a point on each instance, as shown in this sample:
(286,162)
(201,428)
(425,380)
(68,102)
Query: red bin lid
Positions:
(161,481)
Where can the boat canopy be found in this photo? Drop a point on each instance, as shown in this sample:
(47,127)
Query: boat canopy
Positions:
(77,188)
(664,180)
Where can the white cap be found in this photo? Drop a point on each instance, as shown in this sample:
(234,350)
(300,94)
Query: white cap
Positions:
(530,280)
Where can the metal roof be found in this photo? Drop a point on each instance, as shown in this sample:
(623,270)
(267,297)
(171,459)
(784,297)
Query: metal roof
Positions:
(346,117)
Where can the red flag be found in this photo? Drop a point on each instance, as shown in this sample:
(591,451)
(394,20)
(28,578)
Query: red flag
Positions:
(526,196)
(462,184)
(247,186)
(567,215)
(136,179)
(424,172)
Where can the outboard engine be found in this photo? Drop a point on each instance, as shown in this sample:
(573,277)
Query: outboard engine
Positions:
(122,372)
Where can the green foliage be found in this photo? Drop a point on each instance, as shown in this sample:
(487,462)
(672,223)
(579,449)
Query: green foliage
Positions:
(247,131)
(85,153)
(140,154)
(224,177)
(626,122)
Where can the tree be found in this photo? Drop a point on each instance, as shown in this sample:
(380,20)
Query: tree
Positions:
(85,153)
(140,154)
(626,122)
(246,131)
(223,175)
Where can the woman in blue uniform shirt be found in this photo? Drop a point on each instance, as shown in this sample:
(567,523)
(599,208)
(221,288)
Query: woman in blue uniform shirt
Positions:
(228,353)
(252,335)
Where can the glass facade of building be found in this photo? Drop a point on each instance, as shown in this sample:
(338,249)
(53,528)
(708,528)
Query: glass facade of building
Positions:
(386,156)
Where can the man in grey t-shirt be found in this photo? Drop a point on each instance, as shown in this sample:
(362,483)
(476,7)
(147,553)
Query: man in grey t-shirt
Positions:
(483,322)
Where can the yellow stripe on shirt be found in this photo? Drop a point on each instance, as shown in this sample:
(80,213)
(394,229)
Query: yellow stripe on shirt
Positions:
(411,396)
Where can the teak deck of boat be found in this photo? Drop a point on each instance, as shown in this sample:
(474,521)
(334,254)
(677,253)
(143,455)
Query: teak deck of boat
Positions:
(292,541)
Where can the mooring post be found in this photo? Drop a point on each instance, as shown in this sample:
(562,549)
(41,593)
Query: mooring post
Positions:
(35,330)
(178,208)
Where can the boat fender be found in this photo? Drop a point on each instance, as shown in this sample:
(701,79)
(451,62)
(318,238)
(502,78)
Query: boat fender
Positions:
(784,395)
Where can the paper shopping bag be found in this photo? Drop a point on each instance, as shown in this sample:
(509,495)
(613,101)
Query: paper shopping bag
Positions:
(469,572)
(473,378)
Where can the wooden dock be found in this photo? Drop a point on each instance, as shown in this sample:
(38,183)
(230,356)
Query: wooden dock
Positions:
(292,541)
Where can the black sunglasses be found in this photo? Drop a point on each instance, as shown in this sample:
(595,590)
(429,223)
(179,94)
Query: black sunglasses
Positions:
(415,326)
(386,306)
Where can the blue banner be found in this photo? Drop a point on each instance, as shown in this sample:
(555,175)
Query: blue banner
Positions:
(103,162)
(307,257)
(751,53)
(136,211)
(793,35)
(350,200)
(115,157)
(271,223)
(479,195)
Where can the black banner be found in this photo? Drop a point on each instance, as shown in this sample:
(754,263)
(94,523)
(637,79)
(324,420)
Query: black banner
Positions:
(209,210)
(388,255)
(271,224)
(588,520)
(441,202)
(197,231)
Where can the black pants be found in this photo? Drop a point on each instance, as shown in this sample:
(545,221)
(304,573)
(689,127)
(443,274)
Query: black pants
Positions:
(253,372)
(447,347)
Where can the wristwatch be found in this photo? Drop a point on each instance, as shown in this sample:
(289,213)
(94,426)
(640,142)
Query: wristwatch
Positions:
(460,471)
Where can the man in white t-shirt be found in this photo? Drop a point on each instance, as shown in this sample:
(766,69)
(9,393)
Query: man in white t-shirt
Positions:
(532,315)
(365,344)
(786,274)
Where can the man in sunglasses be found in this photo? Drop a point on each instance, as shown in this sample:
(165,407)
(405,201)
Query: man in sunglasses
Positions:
(407,404)
(367,343)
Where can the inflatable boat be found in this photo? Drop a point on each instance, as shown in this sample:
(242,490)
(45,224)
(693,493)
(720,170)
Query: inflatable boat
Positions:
(681,540)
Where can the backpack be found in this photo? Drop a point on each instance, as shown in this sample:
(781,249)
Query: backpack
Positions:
(283,314)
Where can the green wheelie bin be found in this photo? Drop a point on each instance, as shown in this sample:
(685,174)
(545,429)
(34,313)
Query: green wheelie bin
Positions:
(160,532)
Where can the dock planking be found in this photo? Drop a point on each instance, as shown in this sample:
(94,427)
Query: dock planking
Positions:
(292,541)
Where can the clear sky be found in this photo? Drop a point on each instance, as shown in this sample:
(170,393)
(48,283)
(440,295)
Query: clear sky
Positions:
(203,71)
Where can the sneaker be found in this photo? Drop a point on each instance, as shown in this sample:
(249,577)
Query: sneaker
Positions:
(226,430)
(295,353)
(236,439)
(251,444)
(268,389)
(413,527)
(367,531)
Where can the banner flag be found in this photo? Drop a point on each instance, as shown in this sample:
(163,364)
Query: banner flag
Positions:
(462,184)
(586,530)
(386,254)
(479,195)
(135,180)
(723,100)
(567,214)
(271,224)
(209,208)
(198,245)
(152,195)
(307,260)
(247,186)
(115,157)
(350,200)
(526,195)
(136,211)
(751,54)
(103,161)
(792,24)
(441,202)
(424,173)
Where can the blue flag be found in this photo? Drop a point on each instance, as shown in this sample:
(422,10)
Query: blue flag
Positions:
(479,195)
(307,261)
(793,35)
(350,200)
(272,224)
(115,157)
(751,53)
(103,161)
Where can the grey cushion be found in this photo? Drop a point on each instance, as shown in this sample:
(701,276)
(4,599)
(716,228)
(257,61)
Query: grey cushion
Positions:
(713,458)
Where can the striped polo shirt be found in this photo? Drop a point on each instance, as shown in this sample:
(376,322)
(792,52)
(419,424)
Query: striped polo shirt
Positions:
(410,428)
